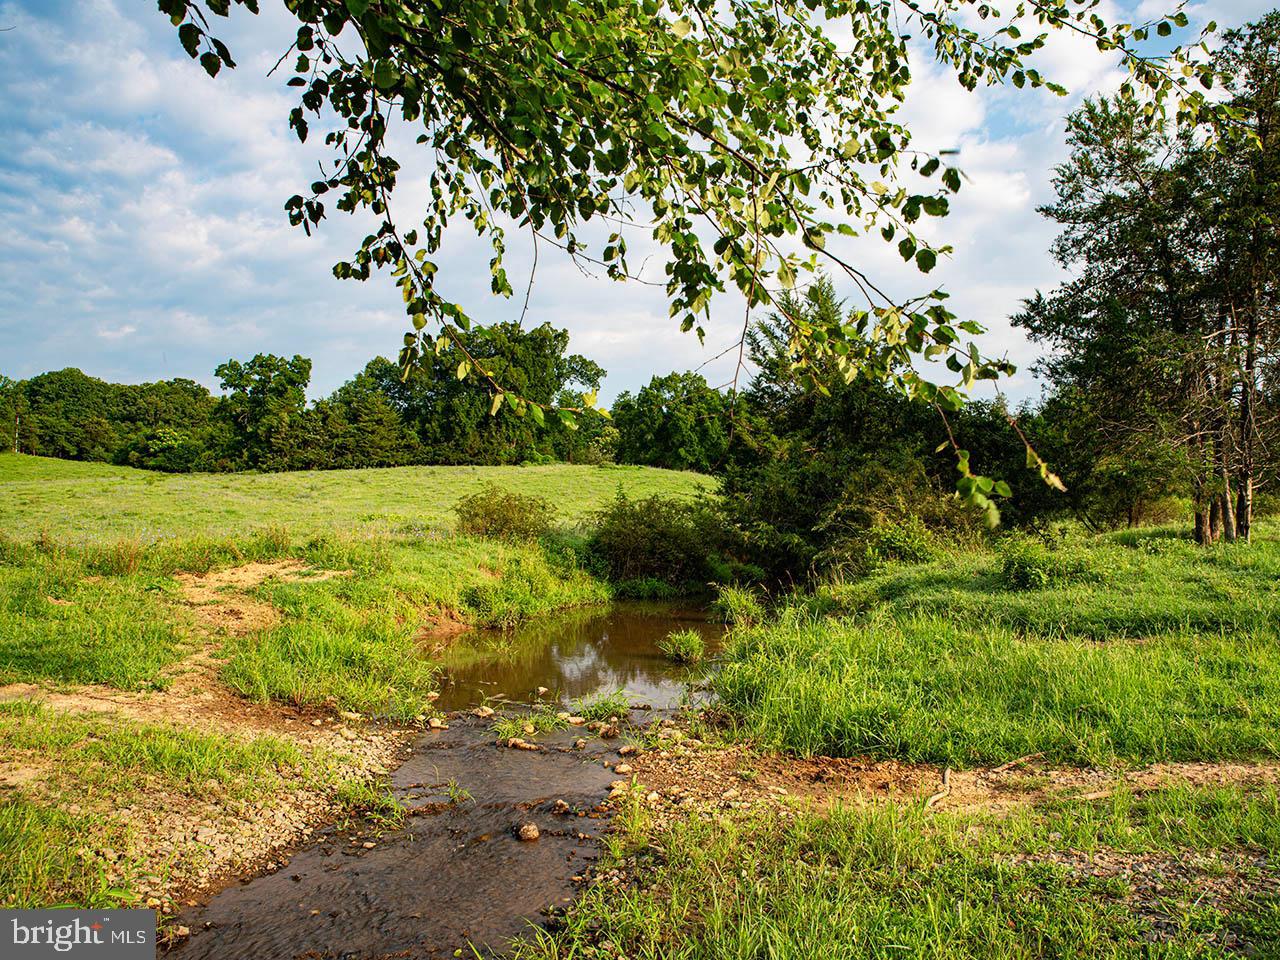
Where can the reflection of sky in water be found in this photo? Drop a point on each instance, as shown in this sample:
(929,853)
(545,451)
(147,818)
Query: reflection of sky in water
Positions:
(575,655)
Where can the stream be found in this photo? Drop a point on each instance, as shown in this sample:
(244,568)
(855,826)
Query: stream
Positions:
(454,873)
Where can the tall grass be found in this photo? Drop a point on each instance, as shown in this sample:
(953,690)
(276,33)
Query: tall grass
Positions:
(929,689)
(896,881)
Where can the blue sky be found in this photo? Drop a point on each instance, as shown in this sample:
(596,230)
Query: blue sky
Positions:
(142,233)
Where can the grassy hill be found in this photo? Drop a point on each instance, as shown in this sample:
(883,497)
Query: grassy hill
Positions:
(69,500)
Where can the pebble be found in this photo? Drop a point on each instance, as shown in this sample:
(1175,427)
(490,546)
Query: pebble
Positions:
(350,715)
(528,831)
(626,751)
(368,844)
(182,932)
(542,691)
(317,723)
(529,728)
(560,806)
(435,723)
(622,768)
(579,744)
(576,721)
(346,734)
(483,711)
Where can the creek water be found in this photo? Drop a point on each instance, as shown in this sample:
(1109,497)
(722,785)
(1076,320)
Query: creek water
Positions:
(454,874)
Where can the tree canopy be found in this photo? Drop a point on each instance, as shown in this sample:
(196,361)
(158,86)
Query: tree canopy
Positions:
(739,136)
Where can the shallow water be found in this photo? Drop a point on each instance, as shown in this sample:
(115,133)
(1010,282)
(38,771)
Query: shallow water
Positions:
(455,873)
(577,655)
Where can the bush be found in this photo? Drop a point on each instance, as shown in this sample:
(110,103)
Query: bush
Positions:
(672,541)
(683,646)
(505,515)
(1028,564)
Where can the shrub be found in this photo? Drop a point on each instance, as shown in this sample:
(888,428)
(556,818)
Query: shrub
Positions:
(659,539)
(739,606)
(683,646)
(1030,564)
(505,515)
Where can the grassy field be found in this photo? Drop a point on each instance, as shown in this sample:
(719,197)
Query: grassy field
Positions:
(71,501)
(322,591)
(1106,653)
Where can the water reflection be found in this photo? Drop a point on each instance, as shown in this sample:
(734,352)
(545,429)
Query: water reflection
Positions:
(576,655)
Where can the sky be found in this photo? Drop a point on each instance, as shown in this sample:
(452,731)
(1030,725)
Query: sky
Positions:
(143,236)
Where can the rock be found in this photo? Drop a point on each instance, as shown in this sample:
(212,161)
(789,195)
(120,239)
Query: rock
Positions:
(317,723)
(542,691)
(622,768)
(579,744)
(435,723)
(610,731)
(576,721)
(626,751)
(368,844)
(350,715)
(564,715)
(483,711)
(433,696)
(518,744)
(527,832)
(182,932)
(152,903)
(560,807)
(654,797)
(529,728)
(346,734)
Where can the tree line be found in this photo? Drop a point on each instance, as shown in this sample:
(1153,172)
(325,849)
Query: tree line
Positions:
(263,420)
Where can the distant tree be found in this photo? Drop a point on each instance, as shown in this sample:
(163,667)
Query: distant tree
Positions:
(266,405)
(676,421)
(360,428)
(452,419)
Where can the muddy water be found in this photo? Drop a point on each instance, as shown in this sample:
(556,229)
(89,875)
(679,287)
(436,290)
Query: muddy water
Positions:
(585,652)
(455,873)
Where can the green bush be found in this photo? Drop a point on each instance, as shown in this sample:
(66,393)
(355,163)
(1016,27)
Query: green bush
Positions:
(1027,564)
(683,646)
(505,515)
(672,541)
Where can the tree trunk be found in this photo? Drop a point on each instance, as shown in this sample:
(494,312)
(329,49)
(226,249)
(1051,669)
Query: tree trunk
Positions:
(1215,519)
(1228,508)
(1202,526)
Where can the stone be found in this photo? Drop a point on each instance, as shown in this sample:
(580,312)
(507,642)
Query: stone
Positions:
(529,728)
(368,844)
(346,734)
(560,806)
(579,744)
(317,723)
(576,721)
(542,691)
(654,797)
(622,768)
(350,715)
(483,711)
(182,932)
(435,723)
(626,751)
(433,696)
(527,832)
(610,731)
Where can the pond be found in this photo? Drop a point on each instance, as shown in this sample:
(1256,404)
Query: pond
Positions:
(454,873)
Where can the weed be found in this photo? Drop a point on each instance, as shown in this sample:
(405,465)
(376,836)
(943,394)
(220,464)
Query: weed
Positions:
(603,706)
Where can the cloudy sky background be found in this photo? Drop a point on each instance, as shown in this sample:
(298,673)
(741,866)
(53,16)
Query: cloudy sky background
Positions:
(142,232)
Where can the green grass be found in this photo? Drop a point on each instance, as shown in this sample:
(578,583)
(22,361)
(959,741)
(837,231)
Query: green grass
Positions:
(1156,654)
(898,881)
(934,690)
(89,501)
(683,646)
(603,706)
(97,765)
(1157,585)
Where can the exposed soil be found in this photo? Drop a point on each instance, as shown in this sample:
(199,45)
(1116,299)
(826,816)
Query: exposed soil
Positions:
(219,600)
(684,772)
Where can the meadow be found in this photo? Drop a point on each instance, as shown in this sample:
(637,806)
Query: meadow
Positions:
(1134,660)
(125,592)
(72,501)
